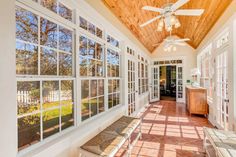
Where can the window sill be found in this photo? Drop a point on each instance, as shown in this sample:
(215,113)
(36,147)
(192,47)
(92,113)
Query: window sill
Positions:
(54,139)
(43,145)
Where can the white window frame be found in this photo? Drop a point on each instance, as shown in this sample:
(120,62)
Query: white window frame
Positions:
(60,21)
(206,52)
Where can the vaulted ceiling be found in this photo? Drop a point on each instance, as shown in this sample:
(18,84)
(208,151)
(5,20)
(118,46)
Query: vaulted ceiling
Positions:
(194,28)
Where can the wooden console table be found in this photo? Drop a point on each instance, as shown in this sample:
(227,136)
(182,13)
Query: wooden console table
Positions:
(196,100)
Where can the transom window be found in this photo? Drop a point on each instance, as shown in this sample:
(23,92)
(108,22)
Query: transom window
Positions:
(222,40)
(142,75)
(112,41)
(91,28)
(167,62)
(130,51)
(57,7)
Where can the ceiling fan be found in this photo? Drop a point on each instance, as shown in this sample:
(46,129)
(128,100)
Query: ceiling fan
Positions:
(171,42)
(168,12)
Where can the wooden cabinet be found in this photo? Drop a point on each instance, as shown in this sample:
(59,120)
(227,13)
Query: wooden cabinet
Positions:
(196,100)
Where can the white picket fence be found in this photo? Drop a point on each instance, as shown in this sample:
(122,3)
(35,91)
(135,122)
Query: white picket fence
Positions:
(25,98)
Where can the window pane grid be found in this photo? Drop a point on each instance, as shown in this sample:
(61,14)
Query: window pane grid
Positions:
(206,68)
(44,54)
(92,97)
(142,75)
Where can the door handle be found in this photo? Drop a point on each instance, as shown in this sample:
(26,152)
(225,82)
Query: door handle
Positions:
(226,100)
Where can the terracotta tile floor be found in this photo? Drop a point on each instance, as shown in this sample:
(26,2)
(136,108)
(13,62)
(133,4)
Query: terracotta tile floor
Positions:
(168,131)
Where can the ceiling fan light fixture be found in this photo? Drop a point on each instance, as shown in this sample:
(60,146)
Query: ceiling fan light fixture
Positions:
(168,28)
(159,29)
(173,20)
(177,23)
(174,48)
(161,23)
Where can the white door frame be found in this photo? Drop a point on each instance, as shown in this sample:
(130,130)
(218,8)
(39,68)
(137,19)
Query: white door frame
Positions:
(133,59)
(182,58)
(152,84)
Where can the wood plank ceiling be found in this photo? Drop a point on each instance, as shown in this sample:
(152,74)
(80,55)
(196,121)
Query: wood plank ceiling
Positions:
(194,28)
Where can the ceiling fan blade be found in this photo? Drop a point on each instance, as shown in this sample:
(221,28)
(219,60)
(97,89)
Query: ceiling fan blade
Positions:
(180,44)
(189,12)
(167,45)
(150,8)
(154,45)
(150,21)
(182,40)
(179,4)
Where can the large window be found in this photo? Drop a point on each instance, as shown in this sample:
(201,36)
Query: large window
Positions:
(44,68)
(142,75)
(205,66)
(91,65)
(113,74)
(50,67)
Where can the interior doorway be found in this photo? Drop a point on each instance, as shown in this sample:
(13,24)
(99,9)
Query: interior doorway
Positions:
(168,82)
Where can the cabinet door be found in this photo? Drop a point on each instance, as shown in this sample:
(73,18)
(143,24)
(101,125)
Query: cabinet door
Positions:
(201,102)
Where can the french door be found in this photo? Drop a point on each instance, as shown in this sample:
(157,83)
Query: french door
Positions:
(222,99)
(179,84)
(155,94)
(132,92)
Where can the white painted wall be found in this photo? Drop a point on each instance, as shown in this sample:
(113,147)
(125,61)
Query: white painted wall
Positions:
(8,130)
(187,52)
